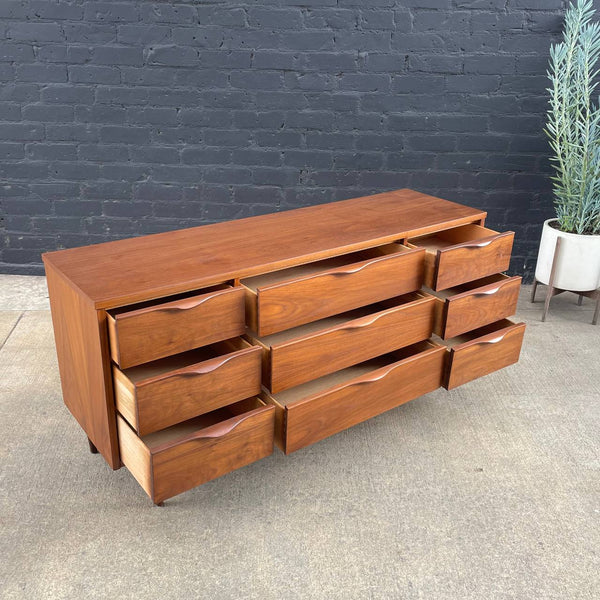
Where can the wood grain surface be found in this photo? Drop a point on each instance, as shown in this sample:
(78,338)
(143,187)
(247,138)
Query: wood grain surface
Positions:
(481,305)
(140,335)
(175,460)
(370,276)
(403,377)
(408,320)
(81,340)
(133,270)
(468,262)
(463,254)
(485,350)
(157,395)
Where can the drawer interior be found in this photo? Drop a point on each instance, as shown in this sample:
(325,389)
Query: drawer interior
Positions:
(287,335)
(158,301)
(476,333)
(468,287)
(314,268)
(181,430)
(440,240)
(184,359)
(326,382)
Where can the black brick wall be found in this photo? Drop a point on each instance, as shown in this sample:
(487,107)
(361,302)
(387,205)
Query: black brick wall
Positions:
(133,117)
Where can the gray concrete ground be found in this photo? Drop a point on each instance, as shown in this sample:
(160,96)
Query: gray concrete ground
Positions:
(488,492)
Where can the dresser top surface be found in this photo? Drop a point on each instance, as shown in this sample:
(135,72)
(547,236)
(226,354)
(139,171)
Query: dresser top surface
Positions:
(131,270)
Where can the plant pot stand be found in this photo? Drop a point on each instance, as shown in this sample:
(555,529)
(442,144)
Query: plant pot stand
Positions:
(554,291)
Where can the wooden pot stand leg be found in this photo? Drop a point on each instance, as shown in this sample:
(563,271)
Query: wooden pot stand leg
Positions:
(554,291)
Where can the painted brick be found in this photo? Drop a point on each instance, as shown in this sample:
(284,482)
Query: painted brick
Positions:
(11,151)
(124,117)
(90,33)
(178,56)
(117,55)
(56,10)
(117,12)
(68,94)
(16,52)
(10,111)
(142,35)
(51,151)
(94,74)
(35,32)
(124,135)
(47,113)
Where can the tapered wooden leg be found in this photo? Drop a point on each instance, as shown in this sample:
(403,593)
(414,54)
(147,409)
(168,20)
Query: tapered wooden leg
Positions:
(93,448)
(597,311)
(547,303)
(580,300)
(533,289)
(550,291)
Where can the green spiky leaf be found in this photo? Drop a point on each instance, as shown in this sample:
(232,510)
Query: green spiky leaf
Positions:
(573,123)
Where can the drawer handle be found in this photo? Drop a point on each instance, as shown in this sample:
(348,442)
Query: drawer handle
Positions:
(353,270)
(213,366)
(373,378)
(214,431)
(492,341)
(191,303)
(488,292)
(336,273)
(478,244)
(364,322)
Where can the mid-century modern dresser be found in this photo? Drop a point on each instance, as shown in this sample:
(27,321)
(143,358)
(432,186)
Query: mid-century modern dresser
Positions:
(187,354)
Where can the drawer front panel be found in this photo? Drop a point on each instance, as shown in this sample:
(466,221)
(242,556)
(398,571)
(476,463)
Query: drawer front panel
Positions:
(161,401)
(296,302)
(312,419)
(150,333)
(484,355)
(173,467)
(312,356)
(481,306)
(473,260)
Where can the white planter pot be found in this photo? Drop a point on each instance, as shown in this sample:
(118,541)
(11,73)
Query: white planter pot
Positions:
(578,267)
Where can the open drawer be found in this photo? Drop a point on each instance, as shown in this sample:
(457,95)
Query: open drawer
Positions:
(472,305)
(315,410)
(161,393)
(306,352)
(291,297)
(483,351)
(463,254)
(144,332)
(181,457)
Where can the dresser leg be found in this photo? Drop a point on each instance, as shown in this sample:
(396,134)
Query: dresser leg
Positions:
(161,504)
(93,448)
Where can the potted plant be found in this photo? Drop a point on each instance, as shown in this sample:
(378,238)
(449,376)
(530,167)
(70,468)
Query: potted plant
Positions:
(573,127)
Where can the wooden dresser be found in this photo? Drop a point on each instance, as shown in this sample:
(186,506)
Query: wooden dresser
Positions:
(186,355)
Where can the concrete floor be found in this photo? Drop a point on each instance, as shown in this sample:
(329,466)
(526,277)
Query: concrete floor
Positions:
(491,491)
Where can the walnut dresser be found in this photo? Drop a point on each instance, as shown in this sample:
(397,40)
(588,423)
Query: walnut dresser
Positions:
(186,355)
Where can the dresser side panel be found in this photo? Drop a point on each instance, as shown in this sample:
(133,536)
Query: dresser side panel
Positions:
(81,342)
